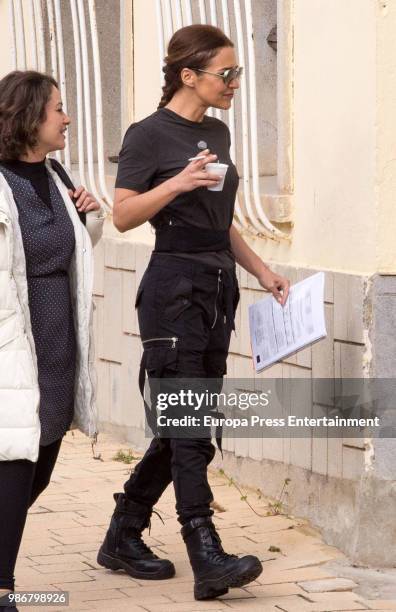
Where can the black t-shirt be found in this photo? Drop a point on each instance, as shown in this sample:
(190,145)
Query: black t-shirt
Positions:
(157,148)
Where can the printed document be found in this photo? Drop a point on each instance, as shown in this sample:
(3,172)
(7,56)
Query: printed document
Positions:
(278,331)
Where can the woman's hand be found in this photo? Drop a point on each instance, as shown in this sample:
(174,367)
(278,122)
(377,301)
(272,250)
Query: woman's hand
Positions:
(276,284)
(85,200)
(194,175)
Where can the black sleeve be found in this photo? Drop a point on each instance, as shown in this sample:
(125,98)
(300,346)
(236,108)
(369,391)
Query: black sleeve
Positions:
(137,162)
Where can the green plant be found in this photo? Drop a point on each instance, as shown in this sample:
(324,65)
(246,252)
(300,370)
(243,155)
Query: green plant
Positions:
(275,507)
(124,457)
(274,549)
(244,497)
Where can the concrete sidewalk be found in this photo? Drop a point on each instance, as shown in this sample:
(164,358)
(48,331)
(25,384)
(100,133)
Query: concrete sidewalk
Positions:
(68,523)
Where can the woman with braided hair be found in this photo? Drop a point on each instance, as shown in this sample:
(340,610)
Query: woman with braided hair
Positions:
(187,298)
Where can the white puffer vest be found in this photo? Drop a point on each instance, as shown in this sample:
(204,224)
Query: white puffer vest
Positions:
(19,391)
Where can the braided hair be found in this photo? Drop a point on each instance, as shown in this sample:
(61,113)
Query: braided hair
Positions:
(190,47)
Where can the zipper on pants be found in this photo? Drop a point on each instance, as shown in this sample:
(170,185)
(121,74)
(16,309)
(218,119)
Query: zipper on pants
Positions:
(217,295)
(174,340)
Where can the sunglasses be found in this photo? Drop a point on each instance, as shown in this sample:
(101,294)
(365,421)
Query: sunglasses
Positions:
(227,75)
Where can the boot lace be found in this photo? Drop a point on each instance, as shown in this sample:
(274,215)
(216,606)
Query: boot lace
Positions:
(217,552)
(159,516)
(138,541)
(139,544)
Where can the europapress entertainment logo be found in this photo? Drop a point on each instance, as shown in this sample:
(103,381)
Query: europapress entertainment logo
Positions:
(203,401)
(274,407)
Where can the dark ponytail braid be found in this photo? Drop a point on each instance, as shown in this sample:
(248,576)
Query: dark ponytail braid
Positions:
(190,47)
(172,84)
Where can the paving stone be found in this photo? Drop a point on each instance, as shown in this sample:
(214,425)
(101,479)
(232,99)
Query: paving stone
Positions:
(275,590)
(103,581)
(382,605)
(58,559)
(287,604)
(342,597)
(79,503)
(71,566)
(181,607)
(271,576)
(232,595)
(101,594)
(115,605)
(331,584)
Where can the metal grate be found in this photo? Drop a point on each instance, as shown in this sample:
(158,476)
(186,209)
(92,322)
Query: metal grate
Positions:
(42,19)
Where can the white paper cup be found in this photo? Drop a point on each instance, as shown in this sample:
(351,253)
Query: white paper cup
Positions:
(220,170)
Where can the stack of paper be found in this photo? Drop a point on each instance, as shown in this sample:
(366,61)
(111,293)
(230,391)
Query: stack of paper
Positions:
(278,331)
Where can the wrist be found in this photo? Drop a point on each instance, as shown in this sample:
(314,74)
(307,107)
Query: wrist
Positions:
(262,271)
(172,188)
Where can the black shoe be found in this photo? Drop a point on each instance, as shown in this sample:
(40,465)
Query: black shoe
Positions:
(214,570)
(123,547)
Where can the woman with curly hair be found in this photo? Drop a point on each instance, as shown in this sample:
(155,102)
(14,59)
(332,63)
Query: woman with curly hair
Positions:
(46,278)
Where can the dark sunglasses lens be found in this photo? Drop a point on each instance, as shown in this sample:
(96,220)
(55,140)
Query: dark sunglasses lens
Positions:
(233,73)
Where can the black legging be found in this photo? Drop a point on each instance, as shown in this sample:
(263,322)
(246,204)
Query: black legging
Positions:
(21,482)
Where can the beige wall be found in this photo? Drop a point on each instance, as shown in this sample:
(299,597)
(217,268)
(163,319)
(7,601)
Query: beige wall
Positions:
(334,137)
(343,125)
(343,132)
(147,83)
(386,136)
(5,40)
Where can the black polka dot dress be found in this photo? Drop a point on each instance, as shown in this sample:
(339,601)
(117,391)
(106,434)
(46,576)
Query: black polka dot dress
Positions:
(48,240)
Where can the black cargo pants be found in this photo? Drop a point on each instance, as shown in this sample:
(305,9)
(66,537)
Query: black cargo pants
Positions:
(186,314)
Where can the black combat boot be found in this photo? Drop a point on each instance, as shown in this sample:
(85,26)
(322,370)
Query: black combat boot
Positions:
(214,570)
(123,547)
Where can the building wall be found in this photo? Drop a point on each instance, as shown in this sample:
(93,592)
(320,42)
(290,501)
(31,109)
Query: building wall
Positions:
(386,136)
(5,41)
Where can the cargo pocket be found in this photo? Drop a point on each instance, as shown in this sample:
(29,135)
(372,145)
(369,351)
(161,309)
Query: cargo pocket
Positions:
(160,356)
(159,360)
(179,300)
